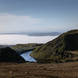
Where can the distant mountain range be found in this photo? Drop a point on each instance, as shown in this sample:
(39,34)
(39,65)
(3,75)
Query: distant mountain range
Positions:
(44,34)
(36,33)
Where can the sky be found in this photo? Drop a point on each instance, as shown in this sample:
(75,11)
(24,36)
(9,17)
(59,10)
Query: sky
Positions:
(38,15)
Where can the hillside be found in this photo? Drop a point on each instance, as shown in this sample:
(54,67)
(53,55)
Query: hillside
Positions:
(62,49)
(21,48)
(9,55)
(35,70)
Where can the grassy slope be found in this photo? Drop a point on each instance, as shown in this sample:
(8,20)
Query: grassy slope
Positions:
(24,47)
(59,49)
(34,70)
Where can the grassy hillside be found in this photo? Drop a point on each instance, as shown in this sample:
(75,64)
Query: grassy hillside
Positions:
(62,49)
(34,70)
(20,48)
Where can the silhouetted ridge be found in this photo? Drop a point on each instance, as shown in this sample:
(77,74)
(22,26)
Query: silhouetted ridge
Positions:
(9,55)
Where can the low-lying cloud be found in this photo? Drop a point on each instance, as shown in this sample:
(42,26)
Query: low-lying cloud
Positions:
(23,39)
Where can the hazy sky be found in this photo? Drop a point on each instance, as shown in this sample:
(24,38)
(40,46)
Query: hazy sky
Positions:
(38,15)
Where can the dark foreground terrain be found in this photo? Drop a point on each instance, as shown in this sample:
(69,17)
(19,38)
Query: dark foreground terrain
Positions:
(34,70)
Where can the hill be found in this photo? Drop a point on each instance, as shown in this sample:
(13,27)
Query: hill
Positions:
(21,48)
(62,49)
(9,55)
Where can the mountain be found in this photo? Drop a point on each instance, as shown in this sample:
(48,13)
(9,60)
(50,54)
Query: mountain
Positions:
(35,33)
(9,55)
(62,49)
(44,34)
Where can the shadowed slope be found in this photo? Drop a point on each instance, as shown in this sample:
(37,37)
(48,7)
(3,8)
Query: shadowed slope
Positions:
(9,55)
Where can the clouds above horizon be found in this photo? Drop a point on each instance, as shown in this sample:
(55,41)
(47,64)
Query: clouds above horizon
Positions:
(38,15)
(16,23)
(20,23)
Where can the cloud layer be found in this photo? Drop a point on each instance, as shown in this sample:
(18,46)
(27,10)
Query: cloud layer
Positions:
(17,23)
(11,23)
(23,39)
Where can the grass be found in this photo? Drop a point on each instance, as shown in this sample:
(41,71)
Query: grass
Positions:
(35,70)
(20,48)
(58,50)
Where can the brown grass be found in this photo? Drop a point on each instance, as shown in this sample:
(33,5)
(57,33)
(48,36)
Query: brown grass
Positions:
(34,70)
